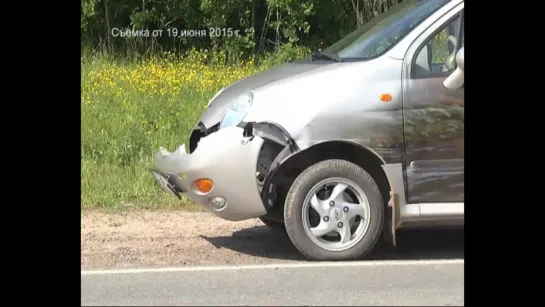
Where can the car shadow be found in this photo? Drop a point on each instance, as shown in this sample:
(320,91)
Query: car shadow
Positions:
(421,244)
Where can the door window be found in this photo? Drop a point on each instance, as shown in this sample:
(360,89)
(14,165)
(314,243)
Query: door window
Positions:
(437,56)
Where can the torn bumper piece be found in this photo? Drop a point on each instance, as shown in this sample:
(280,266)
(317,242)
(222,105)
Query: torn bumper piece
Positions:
(168,183)
(225,157)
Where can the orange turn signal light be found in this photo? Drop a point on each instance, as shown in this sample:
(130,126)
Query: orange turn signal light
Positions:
(386,97)
(204,185)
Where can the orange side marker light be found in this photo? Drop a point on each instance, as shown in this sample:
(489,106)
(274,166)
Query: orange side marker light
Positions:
(386,97)
(204,185)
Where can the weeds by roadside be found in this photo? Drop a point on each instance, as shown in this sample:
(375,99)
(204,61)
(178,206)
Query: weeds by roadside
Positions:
(129,110)
(132,107)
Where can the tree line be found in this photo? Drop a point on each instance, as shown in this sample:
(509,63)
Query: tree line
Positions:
(240,28)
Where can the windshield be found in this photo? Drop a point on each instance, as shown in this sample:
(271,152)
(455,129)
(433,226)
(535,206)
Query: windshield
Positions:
(384,31)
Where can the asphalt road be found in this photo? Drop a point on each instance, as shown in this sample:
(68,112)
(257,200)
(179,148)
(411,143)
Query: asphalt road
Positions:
(398,282)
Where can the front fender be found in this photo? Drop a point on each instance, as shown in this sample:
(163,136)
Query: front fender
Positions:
(380,131)
(344,95)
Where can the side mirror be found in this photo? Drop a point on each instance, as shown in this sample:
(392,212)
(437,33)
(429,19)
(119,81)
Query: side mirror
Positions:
(456,79)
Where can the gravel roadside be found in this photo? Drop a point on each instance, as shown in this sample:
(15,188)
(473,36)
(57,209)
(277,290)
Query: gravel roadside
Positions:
(175,238)
(150,238)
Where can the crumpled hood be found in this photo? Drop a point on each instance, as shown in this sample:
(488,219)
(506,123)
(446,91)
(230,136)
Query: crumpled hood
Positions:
(212,115)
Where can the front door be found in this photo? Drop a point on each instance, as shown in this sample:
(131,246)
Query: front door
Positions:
(434,115)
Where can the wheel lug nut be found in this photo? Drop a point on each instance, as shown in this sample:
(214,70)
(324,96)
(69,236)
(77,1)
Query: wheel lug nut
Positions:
(340,224)
(326,218)
(331,203)
(345,209)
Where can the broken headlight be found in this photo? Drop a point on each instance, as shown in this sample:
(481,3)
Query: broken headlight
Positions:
(237,110)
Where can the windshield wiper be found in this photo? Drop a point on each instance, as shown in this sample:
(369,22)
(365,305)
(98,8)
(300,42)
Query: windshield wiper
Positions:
(324,55)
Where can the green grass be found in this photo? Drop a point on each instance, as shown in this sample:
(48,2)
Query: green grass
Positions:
(131,107)
(129,110)
(113,187)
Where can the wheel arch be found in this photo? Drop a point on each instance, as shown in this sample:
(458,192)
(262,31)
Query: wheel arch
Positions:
(289,165)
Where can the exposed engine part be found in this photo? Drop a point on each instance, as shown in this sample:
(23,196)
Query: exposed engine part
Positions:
(278,145)
(268,153)
(260,178)
(199,133)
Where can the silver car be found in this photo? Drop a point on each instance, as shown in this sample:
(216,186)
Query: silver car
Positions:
(351,144)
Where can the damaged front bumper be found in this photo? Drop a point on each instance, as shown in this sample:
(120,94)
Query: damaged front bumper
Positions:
(225,157)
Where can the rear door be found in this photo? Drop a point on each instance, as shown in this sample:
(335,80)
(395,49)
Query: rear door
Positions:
(434,115)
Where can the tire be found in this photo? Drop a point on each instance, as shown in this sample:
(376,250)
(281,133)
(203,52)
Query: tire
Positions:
(273,224)
(357,179)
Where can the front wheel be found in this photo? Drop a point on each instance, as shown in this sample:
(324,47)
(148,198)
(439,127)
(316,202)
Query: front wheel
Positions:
(334,211)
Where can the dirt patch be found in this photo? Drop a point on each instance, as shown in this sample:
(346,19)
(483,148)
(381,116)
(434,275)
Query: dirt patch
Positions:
(147,238)
(175,238)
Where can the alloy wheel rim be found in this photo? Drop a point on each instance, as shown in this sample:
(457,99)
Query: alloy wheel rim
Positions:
(343,211)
